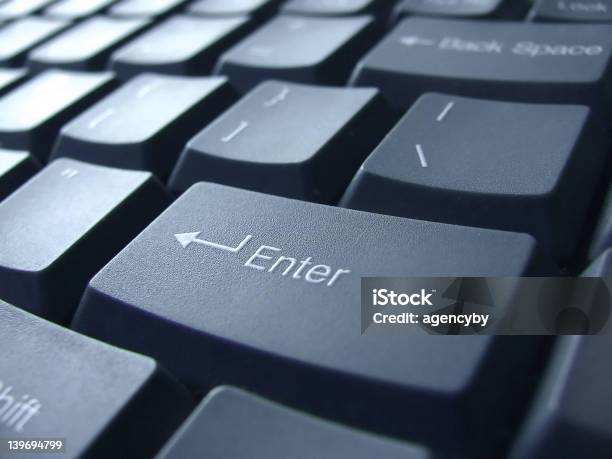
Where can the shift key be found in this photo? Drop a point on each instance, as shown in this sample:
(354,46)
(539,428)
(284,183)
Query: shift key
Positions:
(520,62)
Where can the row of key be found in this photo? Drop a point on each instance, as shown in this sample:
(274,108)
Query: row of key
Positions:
(544,10)
(343,106)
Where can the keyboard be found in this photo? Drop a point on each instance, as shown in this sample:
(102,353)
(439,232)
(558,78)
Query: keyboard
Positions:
(191,192)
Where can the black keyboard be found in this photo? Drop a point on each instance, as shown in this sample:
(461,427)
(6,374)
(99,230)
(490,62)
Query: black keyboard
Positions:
(192,190)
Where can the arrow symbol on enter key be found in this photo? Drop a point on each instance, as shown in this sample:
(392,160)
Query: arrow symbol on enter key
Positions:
(186,239)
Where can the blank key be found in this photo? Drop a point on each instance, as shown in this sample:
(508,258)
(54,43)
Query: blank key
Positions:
(572,413)
(32,114)
(301,49)
(514,9)
(19,37)
(144,124)
(181,45)
(86,46)
(15,168)
(10,78)
(232,423)
(145,8)
(13,9)
(333,7)
(222,8)
(77,9)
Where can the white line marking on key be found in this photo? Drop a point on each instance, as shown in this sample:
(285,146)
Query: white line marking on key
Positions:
(282,95)
(447,109)
(421,154)
(241,127)
(148,88)
(101,118)
(69,173)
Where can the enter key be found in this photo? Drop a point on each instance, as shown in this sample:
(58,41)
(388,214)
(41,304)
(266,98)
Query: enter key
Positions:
(234,287)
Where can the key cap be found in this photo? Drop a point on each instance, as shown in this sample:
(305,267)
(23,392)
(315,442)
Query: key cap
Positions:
(307,50)
(602,266)
(236,276)
(515,167)
(573,10)
(234,423)
(332,7)
(253,145)
(14,9)
(9,78)
(144,124)
(58,384)
(519,62)
(63,225)
(77,9)
(86,46)
(15,168)
(182,45)
(572,415)
(509,9)
(145,8)
(32,115)
(19,37)
(601,239)
(257,8)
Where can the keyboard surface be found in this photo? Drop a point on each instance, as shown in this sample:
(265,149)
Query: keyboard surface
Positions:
(191,191)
